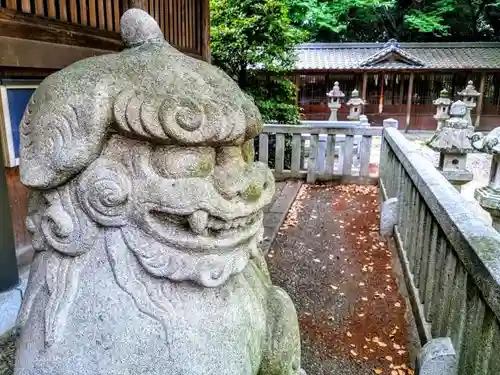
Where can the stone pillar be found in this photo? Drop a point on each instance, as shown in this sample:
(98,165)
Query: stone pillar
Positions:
(390,123)
(8,263)
(452,141)
(469,96)
(489,196)
(334,101)
(442,108)
(147,221)
(355,104)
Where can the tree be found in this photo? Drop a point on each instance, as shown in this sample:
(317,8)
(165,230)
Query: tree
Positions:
(405,20)
(249,37)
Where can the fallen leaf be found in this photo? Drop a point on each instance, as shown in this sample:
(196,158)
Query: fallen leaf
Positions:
(378,371)
(334,287)
(397,304)
(354,354)
(349,334)
(382,344)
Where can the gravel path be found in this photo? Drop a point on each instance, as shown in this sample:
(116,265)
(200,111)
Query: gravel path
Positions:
(329,257)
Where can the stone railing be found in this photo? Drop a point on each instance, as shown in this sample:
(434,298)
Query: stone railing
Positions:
(325,151)
(450,259)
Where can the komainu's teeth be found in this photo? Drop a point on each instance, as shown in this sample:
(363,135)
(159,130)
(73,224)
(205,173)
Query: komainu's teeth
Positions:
(198,221)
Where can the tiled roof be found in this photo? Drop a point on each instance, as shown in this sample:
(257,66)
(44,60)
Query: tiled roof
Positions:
(395,56)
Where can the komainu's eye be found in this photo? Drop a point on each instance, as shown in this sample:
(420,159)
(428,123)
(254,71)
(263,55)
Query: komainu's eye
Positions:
(183,162)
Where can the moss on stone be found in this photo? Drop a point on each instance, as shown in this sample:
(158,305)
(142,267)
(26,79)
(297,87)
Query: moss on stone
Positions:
(248,152)
(252,193)
(7,353)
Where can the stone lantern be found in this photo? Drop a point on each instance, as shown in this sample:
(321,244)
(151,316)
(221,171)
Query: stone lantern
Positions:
(469,96)
(355,105)
(452,141)
(489,196)
(334,101)
(442,107)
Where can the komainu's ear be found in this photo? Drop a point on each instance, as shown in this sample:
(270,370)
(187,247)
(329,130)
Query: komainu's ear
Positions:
(59,138)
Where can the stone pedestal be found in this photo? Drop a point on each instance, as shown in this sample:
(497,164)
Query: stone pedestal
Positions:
(334,101)
(146,220)
(453,167)
(452,141)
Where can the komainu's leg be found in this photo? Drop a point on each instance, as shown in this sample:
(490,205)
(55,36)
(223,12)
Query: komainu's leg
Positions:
(282,353)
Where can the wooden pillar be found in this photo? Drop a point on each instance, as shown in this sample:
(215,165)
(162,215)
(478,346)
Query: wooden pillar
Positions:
(9,276)
(408,103)
(480,101)
(205,12)
(128,4)
(365,84)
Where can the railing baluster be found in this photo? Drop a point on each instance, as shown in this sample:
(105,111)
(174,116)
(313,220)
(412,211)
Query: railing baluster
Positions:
(348,153)
(428,276)
(472,332)
(311,162)
(279,164)
(296,154)
(263,147)
(423,250)
(441,278)
(456,318)
(445,294)
(330,155)
(490,333)
(418,237)
(364,158)
(413,229)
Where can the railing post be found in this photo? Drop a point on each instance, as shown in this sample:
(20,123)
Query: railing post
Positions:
(9,276)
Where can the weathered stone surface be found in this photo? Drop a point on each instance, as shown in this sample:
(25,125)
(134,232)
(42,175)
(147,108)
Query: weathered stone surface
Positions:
(388,216)
(390,123)
(146,219)
(454,135)
(438,357)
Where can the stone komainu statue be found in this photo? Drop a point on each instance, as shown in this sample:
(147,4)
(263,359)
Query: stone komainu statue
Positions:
(146,218)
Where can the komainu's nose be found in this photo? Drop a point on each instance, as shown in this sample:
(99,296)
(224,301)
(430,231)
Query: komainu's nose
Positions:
(234,178)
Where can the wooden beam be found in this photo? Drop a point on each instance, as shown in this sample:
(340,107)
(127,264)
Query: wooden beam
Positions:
(32,27)
(365,85)
(479,108)
(408,103)
(34,54)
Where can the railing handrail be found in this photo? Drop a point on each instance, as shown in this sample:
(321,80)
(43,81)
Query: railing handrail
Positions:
(476,243)
(340,129)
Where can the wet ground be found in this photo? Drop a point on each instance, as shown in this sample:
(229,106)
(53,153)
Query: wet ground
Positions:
(342,278)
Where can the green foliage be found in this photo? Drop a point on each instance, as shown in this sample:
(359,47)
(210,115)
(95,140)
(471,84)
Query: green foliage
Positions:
(405,20)
(248,34)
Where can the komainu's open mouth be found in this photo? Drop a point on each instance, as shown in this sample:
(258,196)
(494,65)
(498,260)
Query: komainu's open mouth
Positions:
(204,224)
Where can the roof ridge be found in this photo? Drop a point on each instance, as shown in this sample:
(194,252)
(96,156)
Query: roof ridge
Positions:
(323,45)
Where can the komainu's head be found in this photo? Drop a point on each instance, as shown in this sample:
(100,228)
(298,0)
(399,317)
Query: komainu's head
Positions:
(151,143)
